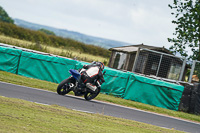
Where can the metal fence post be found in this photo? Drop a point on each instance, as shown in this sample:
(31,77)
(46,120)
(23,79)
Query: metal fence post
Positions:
(136,59)
(192,71)
(182,70)
(159,65)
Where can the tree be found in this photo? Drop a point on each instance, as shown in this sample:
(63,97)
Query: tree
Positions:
(187,32)
(47,32)
(4,16)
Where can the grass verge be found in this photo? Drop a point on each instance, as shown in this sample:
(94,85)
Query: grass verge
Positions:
(20,80)
(23,116)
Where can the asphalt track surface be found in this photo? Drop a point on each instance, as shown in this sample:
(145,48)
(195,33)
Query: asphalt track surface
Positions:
(94,106)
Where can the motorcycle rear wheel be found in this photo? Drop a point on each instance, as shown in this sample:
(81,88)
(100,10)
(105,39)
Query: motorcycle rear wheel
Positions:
(64,88)
(91,95)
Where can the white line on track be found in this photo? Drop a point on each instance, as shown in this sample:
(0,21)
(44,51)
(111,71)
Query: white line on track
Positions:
(40,103)
(84,111)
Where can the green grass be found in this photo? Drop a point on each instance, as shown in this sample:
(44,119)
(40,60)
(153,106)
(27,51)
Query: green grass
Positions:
(62,51)
(20,80)
(22,116)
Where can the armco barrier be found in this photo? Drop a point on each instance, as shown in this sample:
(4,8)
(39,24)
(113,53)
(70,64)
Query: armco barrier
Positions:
(118,83)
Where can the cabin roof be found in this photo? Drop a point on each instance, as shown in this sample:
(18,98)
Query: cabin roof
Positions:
(134,48)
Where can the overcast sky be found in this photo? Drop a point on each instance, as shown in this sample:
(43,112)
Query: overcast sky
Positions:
(132,21)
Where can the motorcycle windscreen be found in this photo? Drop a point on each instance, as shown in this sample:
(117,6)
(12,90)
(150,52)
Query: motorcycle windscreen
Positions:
(75,74)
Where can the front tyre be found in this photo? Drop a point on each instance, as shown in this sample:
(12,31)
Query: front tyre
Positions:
(89,95)
(64,87)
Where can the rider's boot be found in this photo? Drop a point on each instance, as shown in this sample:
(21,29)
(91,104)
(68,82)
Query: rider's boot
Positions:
(92,87)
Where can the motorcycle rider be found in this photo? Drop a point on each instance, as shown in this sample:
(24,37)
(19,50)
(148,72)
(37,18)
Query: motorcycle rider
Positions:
(92,73)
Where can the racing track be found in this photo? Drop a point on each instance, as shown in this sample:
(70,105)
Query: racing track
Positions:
(78,103)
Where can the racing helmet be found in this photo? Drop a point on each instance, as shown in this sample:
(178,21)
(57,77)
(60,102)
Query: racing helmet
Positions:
(101,65)
(94,62)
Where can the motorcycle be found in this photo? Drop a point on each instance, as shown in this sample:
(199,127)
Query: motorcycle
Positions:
(75,84)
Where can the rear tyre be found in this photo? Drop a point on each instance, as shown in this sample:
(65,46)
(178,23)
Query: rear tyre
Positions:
(64,87)
(89,95)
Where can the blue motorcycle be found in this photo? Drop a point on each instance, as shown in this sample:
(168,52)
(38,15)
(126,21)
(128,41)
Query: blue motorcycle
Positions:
(75,84)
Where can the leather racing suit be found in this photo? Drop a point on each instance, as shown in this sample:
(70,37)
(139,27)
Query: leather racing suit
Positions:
(92,73)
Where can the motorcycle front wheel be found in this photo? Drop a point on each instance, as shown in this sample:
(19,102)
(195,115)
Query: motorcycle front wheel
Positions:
(64,87)
(89,95)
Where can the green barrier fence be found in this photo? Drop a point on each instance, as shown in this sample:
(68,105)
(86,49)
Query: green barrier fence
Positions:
(153,92)
(80,64)
(45,67)
(118,83)
(115,82)
(9,59)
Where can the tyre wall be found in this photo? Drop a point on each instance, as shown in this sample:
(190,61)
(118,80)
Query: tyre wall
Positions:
(186,98)
(194,106)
